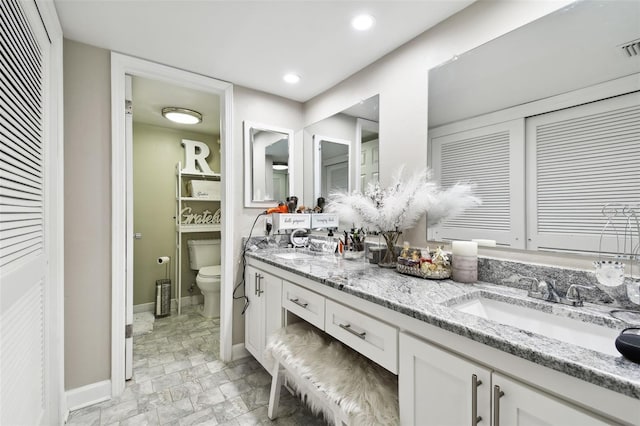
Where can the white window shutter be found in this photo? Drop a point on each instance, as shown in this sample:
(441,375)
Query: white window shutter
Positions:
(580,159)
(24,51)
(21,150)
(492,158)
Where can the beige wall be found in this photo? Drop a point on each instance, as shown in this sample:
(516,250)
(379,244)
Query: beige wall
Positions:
(267,109)
(401,79)
(156,151)
(87,214)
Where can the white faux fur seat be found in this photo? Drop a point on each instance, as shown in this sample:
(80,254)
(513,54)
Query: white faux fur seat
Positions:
(333,379)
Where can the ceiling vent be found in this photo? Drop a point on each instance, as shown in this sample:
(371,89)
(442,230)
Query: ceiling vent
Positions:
(631,49)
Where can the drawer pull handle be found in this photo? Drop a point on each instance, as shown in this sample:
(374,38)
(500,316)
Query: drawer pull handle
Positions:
(497,394)
(475,418)
(299,303)
(350,330)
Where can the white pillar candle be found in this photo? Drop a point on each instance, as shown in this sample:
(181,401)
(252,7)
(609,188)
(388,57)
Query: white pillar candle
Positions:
(464,248)
(485,243)
(464,263)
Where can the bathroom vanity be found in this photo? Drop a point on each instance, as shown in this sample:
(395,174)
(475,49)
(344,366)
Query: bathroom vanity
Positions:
(454,367)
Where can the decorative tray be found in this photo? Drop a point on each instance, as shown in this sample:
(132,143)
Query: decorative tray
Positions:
(431,265)
(437,274)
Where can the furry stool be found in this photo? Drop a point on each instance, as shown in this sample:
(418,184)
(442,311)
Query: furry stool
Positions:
(333,379)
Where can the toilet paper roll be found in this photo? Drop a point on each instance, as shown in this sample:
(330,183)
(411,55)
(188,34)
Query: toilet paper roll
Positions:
(163,259)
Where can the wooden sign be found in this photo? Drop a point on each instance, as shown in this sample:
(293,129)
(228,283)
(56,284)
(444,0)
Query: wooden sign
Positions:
(204,218)
(195,157)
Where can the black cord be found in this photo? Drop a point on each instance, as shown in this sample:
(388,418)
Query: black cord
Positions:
(244,265)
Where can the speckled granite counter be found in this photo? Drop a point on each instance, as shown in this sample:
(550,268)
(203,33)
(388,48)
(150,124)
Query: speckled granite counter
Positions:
(431,301)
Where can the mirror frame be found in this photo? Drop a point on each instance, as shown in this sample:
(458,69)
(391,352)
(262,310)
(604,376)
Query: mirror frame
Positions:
(317,159)
(248,169)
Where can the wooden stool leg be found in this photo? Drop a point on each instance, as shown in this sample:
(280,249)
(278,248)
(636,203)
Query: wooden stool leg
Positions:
(276,385)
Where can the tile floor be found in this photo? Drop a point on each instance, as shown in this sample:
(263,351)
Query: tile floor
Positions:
(179,380)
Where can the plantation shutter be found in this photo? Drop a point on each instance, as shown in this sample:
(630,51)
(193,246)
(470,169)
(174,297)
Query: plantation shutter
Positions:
(492,158)
(580,159)
(24,49)
(21,153)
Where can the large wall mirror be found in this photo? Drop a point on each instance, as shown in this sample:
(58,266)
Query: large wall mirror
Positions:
(342,151)
(268,164)
(489,109)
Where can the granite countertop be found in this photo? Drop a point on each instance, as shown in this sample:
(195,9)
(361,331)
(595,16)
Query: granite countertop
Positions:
(432,301)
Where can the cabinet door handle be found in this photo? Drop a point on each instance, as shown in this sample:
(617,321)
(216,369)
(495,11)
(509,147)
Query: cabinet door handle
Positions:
(299,303)
(352,331)
(260,290)
(475,418)
(255,284)
(497,394)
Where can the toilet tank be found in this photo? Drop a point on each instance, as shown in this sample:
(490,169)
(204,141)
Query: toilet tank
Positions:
(203,253)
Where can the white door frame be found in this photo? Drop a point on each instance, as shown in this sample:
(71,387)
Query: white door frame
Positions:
(120,66)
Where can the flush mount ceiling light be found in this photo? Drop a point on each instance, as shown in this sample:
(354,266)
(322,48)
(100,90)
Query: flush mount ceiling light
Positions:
(182,115)
(280,165)
(291,78)
(363,22)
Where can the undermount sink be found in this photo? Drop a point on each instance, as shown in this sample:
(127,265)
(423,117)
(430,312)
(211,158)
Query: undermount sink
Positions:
(294,255)
(587,335)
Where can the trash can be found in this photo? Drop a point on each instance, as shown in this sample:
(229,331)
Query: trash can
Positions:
(163,298)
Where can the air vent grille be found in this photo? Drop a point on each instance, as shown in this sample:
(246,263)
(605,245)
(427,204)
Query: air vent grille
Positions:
(631,49)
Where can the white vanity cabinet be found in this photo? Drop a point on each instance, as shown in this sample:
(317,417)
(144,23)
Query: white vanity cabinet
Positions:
(264,313)
(437,387)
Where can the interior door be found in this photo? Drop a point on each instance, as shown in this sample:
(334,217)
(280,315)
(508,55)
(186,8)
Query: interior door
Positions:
(26,285)
(128,121)
(337,177)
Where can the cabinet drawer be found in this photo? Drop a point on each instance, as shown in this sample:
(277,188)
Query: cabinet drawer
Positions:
(372,338)
(304,303)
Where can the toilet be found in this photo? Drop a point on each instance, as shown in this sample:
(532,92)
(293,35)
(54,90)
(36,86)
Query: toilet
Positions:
(204,257)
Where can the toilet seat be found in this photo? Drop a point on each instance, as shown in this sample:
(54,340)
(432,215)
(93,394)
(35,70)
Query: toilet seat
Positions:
(210,272)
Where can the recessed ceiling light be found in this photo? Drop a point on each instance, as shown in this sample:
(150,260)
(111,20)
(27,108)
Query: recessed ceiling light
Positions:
(363,22)
(291,78)
(182,115)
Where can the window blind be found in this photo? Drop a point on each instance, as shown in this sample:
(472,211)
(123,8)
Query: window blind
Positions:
(581,159)
(491,158)
(21,137)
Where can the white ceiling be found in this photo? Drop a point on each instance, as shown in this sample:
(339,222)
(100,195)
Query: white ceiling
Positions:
(150,96)
(254,43)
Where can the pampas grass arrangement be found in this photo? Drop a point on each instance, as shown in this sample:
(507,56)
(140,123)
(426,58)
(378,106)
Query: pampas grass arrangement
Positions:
(402,204)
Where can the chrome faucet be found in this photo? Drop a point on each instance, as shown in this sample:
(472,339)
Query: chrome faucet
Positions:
(547,291)
(543,290)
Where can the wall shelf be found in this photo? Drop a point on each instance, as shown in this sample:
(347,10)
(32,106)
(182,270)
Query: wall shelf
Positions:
(214,176)
(198,228)
(198,199)
(181,179)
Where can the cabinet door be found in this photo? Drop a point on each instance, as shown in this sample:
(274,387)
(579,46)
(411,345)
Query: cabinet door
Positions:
(524,406)
(436,387)
(272,305)
(254,316)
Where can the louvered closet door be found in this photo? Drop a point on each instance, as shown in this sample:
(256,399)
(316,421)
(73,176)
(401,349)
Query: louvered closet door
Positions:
(24,51)
(578,160)
(492,158)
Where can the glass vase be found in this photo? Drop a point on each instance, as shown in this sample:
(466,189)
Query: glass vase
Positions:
(390,256)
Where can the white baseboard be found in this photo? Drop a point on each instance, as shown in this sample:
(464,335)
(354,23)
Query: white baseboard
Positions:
(186,301)
(239,351)
(88,395)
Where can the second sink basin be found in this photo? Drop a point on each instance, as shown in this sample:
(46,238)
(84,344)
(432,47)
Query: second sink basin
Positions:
(587,335)
(294,255)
